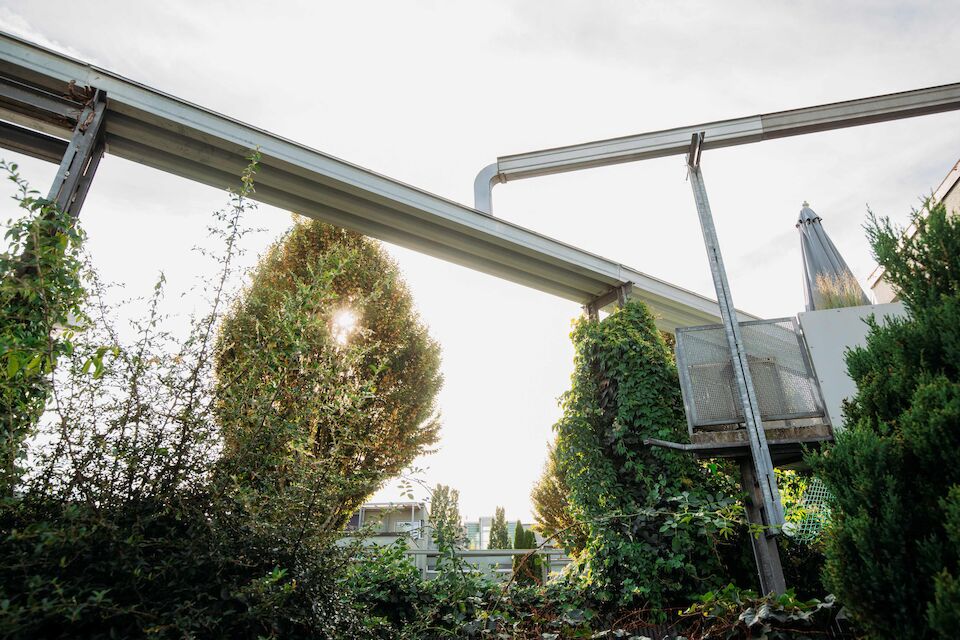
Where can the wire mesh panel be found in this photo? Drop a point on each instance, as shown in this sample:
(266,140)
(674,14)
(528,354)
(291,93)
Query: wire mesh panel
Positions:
(782,377)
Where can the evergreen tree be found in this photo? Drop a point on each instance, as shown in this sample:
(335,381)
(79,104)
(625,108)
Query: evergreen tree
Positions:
(893,554)
(526,569)
(498,531)
(445,516)
(519,536)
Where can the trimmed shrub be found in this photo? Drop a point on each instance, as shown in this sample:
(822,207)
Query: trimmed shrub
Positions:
(893,555)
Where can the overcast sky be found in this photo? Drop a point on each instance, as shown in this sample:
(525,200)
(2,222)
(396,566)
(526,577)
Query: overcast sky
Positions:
(430,92)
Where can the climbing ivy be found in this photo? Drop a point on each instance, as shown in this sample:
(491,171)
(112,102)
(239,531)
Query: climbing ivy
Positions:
(626,494)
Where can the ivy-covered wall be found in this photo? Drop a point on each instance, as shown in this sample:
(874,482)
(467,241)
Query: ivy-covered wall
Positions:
(626,494)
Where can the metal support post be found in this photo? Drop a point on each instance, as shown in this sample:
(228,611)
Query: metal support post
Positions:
(763,504)
(619,294)
(80,161)
(760,453)
(765,551)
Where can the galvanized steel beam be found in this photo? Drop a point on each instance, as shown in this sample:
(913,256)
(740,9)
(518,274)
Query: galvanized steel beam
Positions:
(161,131)
(32,143)
(773,509)
(722,133)
(759,480)
(35,105)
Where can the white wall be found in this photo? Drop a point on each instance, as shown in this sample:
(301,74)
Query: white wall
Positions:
(829,334)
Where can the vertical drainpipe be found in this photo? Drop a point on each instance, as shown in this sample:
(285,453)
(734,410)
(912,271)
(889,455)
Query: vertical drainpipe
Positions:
(483,187)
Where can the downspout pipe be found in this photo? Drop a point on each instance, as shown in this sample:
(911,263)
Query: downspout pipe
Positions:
(483,187)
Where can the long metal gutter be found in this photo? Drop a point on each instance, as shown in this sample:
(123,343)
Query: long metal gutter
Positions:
(722,133)
(158,130)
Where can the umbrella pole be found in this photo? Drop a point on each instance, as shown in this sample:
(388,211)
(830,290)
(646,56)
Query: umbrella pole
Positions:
(759,479)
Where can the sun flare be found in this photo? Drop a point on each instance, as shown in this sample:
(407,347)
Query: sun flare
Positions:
(344,325)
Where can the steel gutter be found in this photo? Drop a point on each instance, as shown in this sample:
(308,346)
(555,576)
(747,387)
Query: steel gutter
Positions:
(722,133)
(158,130)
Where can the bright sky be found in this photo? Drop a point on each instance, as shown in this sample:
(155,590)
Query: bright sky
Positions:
(430,92)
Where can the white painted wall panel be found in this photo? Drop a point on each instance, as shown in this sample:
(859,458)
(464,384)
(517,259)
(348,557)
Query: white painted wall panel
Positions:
(829,334)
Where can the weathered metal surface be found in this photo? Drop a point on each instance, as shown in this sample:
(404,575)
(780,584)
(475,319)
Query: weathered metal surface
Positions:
(760,454)
(765,551)
(161,131)
(81,157)
(783,376)
(719,134)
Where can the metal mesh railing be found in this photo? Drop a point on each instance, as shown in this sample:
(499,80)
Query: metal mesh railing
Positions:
(782,377)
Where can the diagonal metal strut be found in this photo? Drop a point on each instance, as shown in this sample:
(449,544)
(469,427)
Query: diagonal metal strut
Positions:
(763,465)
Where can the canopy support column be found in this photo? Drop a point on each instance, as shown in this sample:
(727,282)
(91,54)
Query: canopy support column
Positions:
(765,551)
(619,294)
(761,474)
(82,156)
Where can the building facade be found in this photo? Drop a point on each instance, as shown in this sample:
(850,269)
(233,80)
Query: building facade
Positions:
(392,521)
(949,194)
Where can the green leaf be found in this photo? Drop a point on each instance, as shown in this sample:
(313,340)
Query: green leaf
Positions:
(13,364)
(34,363)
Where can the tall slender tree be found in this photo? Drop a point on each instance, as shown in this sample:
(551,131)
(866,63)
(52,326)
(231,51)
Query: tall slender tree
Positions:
(499,539)
(445,518)
(519,536)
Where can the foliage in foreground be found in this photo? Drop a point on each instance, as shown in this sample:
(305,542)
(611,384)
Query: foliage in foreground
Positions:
(893,555)
(40,292)
(626,493)
(731,613)
(129,522)
(324,356)
(461,604)
(184,568)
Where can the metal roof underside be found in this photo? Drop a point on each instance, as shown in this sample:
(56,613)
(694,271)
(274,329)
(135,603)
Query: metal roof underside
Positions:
(158,130)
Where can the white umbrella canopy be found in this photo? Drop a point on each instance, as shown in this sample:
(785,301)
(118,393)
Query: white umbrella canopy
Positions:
(827,280)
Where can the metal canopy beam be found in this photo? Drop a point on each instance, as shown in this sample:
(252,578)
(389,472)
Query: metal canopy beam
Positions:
(152,128)
(36,105)
(723,133)
(32,143)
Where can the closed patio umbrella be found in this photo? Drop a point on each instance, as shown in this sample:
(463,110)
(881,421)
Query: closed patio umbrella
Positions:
(827,280)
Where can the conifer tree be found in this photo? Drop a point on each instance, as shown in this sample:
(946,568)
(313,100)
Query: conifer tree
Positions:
(893,552)
(498,531)
(519,536)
